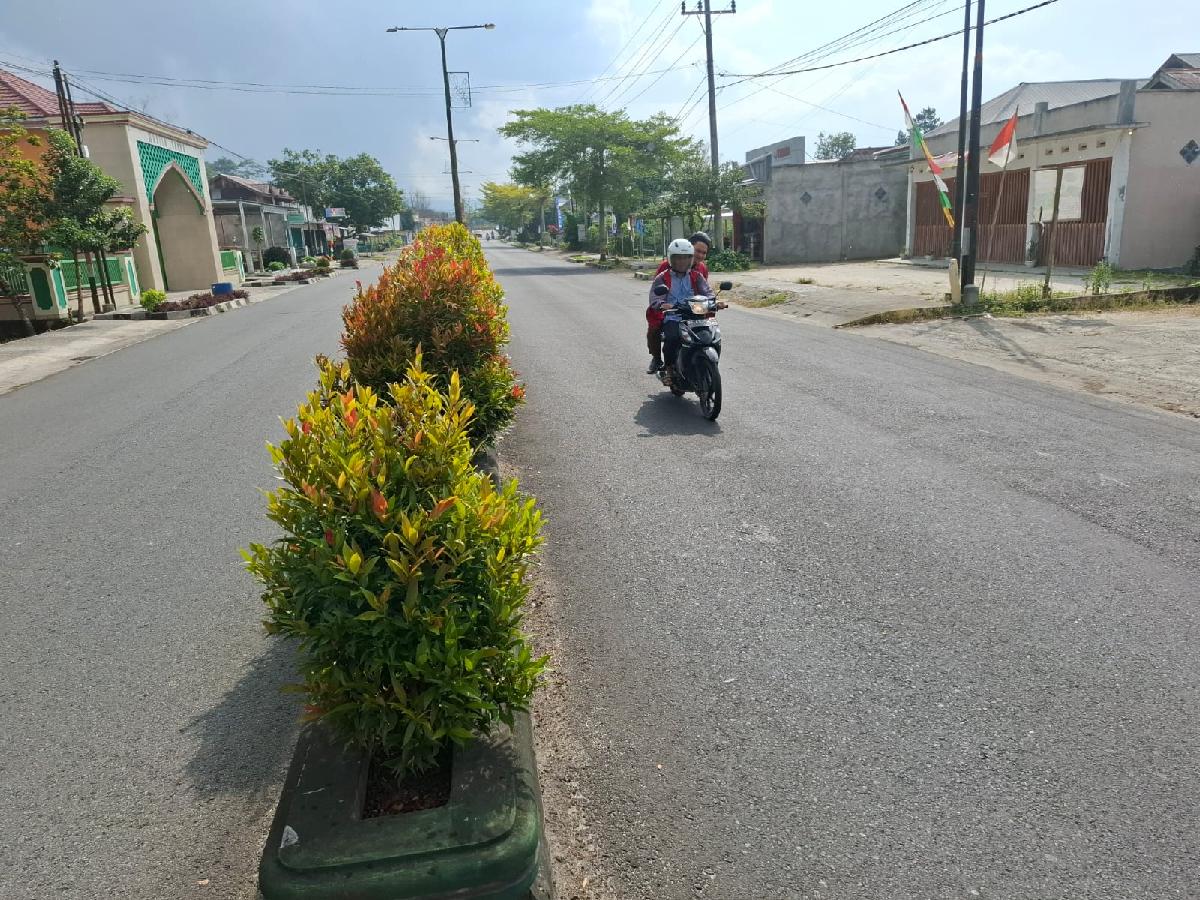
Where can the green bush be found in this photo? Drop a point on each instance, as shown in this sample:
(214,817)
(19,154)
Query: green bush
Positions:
(1100,278)
(276,266)
(151,299)
(323,262)
(347,254)
(727,261)
(401,569)
(276,255)
(439,297)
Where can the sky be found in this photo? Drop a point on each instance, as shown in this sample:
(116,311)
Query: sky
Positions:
(543,53)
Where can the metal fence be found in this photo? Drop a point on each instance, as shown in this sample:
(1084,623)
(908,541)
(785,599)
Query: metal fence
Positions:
(13,281)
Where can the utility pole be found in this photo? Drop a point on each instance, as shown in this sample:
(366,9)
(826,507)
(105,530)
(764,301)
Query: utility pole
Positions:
(441,33)
(704,8)
(970,293)
(960,182)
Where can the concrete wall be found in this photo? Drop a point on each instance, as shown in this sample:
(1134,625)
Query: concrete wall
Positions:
(1161,222)
(843,218)
(184,228)
(783,153)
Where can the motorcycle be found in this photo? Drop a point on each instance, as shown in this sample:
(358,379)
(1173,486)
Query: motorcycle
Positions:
(697,365)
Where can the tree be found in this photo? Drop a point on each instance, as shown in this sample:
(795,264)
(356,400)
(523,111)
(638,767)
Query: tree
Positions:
(692,187)
(838,145)
(78,192)
(927,120)
(23,194)
(602,158)
(358,184)
(246,168)
(513,206)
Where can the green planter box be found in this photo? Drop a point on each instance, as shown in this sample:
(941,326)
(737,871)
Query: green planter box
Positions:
(483,843)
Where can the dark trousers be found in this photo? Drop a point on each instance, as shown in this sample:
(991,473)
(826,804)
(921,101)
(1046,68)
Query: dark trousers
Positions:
(671,340)
(654,341)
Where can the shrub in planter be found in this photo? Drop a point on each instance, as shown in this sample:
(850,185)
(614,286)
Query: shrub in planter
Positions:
(277,255)
(323,262)
(347,254)
(401,569)
(440,297)
(276,266)
(151,299)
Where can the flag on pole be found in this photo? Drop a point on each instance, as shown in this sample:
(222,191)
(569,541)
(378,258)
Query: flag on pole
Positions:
(1005,146)
(936,170)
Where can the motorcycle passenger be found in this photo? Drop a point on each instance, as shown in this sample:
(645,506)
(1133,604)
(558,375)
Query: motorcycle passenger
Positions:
(683,281)
(654,318)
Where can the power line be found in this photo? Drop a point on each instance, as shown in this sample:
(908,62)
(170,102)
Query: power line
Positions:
(690,47)
(864,36)
(624,47)
(642,58)
(783,93)
(923,43)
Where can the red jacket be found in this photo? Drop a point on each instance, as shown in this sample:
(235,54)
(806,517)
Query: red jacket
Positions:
(655,317)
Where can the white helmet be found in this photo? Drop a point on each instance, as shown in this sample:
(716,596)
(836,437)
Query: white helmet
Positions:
(681,247)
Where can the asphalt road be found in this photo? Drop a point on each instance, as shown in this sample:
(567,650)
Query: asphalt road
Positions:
(143,737)
(894,627)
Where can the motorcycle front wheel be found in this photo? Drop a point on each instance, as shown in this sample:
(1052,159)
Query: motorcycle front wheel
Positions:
(708,389)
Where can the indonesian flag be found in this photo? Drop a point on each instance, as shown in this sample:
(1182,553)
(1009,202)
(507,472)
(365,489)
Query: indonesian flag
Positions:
(1004,148)
(918,141)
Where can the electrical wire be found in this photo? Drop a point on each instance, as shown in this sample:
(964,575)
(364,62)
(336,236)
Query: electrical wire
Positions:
(625,46)
(641,59)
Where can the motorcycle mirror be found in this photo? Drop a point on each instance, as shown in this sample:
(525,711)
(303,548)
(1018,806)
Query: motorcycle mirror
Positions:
(661,290)
(726,285)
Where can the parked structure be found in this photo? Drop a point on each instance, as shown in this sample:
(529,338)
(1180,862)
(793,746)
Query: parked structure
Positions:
(1129,152)
(240,206)
(161,169)
(825,210)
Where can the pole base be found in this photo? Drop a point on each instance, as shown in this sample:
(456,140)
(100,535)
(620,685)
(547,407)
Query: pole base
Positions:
(970,295)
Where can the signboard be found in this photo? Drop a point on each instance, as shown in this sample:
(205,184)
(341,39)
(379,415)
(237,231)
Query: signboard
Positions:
(335,212)
(295,218)
(1070,201)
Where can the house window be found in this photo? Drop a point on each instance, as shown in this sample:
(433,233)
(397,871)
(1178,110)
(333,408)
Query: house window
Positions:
(1050,152)
(1101,143)
(1083,146)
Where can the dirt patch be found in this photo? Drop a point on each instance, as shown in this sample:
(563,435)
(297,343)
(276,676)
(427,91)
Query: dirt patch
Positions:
(1145,356)
(387,795)
(758,297)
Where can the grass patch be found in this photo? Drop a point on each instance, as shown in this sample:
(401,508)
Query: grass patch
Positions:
(806,281)
(769,300)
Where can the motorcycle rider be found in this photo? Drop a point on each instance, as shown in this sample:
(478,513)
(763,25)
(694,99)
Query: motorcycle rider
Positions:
(701,243)
(683,281)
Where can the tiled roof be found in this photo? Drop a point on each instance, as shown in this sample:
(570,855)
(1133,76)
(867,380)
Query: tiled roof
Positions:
(37,102)
(259,187)
(1028,94)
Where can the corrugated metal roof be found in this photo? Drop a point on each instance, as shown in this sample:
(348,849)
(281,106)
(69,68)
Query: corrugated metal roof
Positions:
(1190,60)
(38,102)
(1028,94)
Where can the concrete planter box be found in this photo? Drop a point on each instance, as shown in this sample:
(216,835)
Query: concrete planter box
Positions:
(484,843)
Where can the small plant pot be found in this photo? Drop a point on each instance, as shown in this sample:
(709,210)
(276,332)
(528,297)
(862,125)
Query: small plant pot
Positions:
(486,842)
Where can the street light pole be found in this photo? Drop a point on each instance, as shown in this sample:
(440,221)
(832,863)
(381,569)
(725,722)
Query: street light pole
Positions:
(441,33)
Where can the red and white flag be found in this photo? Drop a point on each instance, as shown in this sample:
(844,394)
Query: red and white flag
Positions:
(1004,148)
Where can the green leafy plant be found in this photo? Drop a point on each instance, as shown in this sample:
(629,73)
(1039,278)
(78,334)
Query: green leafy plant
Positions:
(1100,278)
(276,266)
(347,254)
(440,297)
(727,261)
(151,299)
(401,569)
(276,255)
(323,262)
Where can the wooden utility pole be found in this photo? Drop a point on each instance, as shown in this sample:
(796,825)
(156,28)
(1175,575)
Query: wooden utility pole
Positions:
(970,228)
(704,8)
(1053,234)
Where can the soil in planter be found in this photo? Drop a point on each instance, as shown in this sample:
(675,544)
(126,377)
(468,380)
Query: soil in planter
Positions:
(388,795)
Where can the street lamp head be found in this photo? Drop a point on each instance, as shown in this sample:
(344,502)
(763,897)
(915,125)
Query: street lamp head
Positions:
(490,26)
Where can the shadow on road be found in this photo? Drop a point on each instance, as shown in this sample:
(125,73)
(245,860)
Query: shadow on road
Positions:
(665,414)
(989,331)
(248,737)
(547,270)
